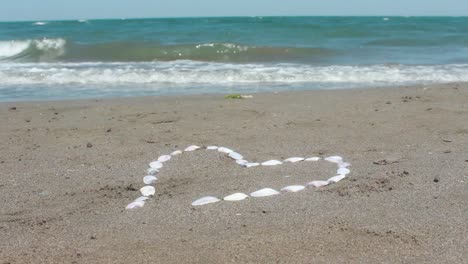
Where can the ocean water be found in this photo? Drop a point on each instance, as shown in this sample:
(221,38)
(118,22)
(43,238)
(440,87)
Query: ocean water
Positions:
(138,57)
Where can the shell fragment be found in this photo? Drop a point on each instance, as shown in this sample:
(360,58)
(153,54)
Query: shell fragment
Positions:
(191,148)
(135,205)
(225,150)
(271,163)
(313,159)
(205,200)
(344,164)
(148,191)
(149,179)
(293,188)
(212,147)
(138,203)
(156,164)
(264,192)
(242,162)
(177,152)
(252,164)
(294,159)
(343,171)
(318,183)
(235,155)
(152,171)
(236,197)
(334,159)
(164,158)
(336,178)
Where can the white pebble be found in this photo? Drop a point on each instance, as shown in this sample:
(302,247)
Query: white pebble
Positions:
(343,171)
(149,179)
(318,183)
(294,159)
(235,155)
(164,158)
(271,163)
(264,192)
(177,152)
(156,164)
(336,178)
(212,147)
(148,191)
(236,197)
(205,200)
(152,171)
(313,159)
(192,148)
(225,150)
(334,159)
(293,188)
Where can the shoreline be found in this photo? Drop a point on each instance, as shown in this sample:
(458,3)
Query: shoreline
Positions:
(222,94)
(70,167)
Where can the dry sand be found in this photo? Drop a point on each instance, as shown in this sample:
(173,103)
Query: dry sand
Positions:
(69,168)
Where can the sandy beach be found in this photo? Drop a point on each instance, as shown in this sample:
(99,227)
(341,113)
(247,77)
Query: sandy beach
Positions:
(69,168)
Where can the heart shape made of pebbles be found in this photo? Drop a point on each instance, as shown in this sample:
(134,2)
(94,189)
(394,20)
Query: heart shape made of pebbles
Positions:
(148,190)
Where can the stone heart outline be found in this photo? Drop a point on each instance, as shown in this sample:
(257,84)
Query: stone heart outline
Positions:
(149,190)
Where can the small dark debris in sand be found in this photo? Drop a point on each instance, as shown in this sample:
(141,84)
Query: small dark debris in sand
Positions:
(388,102)
(109,130)
(448,151)
(89,145)
(150,141)
(130,188)
(429,109)
(93,237)
(406,98)
(13,108)
(436,179)
(163,122)
(384,162)
(27,120)
(447,140)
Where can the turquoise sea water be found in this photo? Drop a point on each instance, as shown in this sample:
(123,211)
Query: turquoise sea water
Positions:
(107,58)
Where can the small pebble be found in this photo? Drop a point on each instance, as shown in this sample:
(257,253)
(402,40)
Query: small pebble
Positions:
(89,145)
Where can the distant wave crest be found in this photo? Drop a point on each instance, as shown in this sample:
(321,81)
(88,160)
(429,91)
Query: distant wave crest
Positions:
(32,50)
(50,50)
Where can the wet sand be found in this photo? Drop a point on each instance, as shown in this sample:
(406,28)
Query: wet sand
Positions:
(69,168)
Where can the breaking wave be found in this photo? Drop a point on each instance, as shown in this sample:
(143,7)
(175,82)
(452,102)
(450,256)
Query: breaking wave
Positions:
(186,72)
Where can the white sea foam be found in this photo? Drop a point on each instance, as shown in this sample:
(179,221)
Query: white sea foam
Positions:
(197,77)
(190,72)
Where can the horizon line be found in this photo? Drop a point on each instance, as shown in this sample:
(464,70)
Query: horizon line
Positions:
(231,16)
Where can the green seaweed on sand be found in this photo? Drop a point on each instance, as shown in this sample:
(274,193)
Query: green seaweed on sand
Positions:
(233,96)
